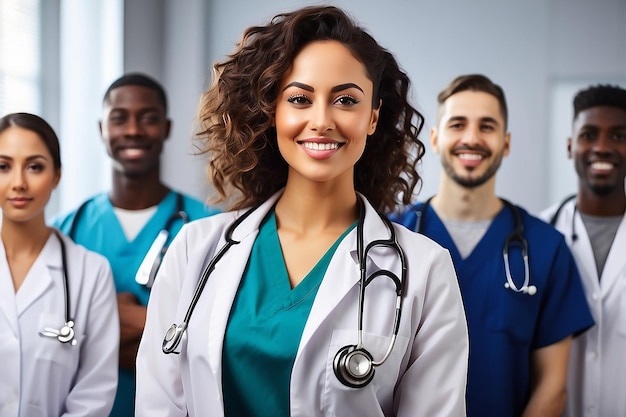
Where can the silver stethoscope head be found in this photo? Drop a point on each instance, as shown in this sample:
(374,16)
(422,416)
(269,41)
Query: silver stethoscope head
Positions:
(173,337)
(64,335)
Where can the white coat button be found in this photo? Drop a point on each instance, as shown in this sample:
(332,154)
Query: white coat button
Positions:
(593,356)
(595,296)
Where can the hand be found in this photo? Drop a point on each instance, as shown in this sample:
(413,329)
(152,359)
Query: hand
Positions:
(132,321)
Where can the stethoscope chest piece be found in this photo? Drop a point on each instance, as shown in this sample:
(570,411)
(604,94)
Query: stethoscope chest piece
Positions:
(353,366)
(173,337)
(64,335)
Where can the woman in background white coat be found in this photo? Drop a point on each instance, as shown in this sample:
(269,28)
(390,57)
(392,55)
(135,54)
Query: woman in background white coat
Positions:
(54,362)
(309,122)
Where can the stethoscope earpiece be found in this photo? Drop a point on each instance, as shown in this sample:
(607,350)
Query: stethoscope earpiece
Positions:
(353,366)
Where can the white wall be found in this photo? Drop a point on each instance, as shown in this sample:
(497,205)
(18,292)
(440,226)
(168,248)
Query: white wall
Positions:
(535,49)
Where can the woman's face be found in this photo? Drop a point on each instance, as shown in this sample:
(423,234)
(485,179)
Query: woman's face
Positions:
(27,174)
(324,113)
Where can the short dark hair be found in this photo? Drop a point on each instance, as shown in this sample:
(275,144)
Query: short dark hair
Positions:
(141,80)
(599,95)
(474,82)
(40,127)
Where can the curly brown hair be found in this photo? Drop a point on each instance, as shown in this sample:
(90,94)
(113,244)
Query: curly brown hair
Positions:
(236,112)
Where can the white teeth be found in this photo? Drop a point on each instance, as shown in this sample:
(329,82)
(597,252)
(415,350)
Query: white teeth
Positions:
(315,146)
(602,166)
(470,156)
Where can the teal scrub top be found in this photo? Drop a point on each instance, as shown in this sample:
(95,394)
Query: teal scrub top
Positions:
(95,226)
(265,326)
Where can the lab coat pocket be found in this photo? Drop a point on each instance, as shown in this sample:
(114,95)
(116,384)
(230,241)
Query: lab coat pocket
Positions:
(373,398)
(53,352)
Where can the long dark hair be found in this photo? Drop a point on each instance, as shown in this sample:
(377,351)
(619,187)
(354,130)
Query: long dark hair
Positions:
(236,112)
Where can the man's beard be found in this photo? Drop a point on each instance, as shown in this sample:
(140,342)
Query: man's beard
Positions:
(466,182)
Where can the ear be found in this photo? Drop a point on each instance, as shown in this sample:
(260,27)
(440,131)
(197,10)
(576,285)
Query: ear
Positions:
(434,136)
(507,143)
(57,178)
(168,127)
(569,148)
(374,119)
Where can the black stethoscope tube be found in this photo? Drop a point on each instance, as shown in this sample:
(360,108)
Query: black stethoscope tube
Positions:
(353,364)
(66,333)
(515,238)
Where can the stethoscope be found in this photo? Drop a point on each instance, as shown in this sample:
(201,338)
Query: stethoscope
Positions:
(515,238)
(556,214)
(147,271)
(66,333)
(353,365)
(151,263)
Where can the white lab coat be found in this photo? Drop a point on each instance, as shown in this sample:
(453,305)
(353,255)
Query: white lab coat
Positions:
(41,376)
(424,376)
(596,382)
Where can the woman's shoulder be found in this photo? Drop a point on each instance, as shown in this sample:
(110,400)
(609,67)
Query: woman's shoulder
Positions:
(77,253)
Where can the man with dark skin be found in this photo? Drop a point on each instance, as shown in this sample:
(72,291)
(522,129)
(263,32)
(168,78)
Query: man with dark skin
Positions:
(595,230)
(124,223)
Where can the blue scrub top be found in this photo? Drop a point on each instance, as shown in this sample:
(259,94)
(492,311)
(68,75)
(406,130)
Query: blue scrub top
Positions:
(265,326)
(505,326)
(98,229)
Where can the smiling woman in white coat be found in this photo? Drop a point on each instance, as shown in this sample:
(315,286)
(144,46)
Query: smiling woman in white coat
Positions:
(58,312)
(303,299)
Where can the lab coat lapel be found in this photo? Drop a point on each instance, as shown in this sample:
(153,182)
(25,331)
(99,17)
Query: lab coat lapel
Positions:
(227,276)
(582,247)
(615,266)
(7,293)
(39,277)
(342,273)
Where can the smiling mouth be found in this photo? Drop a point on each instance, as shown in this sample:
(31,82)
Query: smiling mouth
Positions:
(470,156)
(316,146)
(601,165)
(133,152)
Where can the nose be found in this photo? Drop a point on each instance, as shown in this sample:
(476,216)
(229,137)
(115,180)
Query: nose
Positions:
(471,135)
(603,144)
(19,182)
(321,118)
(133,127)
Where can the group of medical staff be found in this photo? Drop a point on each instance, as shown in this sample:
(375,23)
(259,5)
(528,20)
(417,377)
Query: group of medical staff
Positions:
(252,313)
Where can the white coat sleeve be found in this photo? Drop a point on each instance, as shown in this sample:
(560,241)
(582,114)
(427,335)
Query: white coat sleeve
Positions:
(93,392)
(435,380)
(159,385)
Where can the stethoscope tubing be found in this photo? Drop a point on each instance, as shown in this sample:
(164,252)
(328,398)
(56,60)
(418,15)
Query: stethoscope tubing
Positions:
(516,237)
(175,333)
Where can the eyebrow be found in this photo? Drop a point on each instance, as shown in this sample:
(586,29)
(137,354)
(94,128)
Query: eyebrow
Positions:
(482,119)
(596,127)
(28,158)
(335,89)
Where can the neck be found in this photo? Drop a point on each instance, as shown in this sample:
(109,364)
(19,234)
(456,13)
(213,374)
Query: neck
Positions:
(608,205)
(136,193)
(455,202)
(310,206)
(24,238)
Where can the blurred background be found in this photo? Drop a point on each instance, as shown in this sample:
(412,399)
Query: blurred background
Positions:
(58,56)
